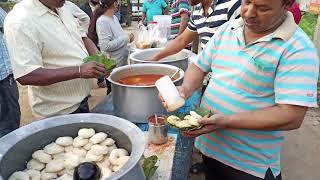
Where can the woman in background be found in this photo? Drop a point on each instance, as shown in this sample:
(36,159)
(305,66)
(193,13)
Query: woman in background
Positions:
(106,31)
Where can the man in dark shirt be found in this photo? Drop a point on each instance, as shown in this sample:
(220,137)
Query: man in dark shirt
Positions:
(89,7)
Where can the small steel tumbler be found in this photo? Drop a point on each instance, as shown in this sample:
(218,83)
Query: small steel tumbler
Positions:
(158,130)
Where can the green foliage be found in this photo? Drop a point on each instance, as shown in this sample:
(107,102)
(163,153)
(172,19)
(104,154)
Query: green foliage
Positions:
(102,59)
(308,23)
(149,166)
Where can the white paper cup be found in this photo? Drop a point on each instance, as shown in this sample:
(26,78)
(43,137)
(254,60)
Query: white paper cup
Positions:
(169,93)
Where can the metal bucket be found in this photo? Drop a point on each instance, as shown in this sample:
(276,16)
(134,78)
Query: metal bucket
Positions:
(144,56)
(18,146)
(137,103)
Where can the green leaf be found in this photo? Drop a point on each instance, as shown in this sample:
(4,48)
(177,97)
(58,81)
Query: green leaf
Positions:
(102,59)
(149,165)
(151,172)
(203,112)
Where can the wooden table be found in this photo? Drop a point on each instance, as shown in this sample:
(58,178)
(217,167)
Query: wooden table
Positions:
(183,154)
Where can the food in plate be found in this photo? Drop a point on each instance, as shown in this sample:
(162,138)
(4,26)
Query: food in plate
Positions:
(59,159)
(188,121)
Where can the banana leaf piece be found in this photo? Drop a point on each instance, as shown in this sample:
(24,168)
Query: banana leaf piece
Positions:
(199,110)
(102,59)
(203,112)
(149,166)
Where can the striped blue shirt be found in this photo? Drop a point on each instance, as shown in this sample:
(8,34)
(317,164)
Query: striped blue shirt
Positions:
(5,66)
(220,12)
(280,68)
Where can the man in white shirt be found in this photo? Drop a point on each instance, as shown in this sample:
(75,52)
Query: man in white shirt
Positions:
(47,52)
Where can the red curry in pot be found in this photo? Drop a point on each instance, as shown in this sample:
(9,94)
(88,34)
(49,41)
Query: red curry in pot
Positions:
(141,80)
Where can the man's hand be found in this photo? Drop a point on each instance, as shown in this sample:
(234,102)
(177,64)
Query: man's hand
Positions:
(92,70)
(182,93)
(211,124)
(155,58)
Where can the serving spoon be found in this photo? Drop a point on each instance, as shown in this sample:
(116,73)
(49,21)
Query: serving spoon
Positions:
(175,73)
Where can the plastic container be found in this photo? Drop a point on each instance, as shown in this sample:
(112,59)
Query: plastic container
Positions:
(164,22)
(169,93)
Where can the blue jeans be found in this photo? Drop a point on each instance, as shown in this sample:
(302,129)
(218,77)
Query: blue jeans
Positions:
(9,106)
(118,15)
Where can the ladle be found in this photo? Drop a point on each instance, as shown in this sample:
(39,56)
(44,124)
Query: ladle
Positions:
(175,73)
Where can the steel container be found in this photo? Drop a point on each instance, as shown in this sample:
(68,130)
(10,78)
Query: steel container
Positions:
(144,56)
(18,146)
(157,132)
(137,103)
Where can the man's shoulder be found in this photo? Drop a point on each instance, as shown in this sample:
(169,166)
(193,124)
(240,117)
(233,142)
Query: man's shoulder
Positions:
(21,14)
(300,41)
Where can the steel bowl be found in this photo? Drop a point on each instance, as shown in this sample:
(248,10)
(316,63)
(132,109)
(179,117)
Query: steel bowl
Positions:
(179,60)
(137,103)
(18,146)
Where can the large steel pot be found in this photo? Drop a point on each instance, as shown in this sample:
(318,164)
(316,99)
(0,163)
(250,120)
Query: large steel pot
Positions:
(137,103)
(18,146)
(179,60)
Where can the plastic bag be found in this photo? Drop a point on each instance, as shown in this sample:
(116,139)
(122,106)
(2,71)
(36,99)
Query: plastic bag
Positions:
(150,36)
(144,37)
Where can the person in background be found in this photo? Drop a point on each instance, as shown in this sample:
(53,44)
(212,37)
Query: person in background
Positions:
(295,10)
(179,11)
(83,21)
(152,8)
(207,17)
(89,6)
(47,50)
(265,77)
(106,31)
(9,94)
(82,18)
(118,15)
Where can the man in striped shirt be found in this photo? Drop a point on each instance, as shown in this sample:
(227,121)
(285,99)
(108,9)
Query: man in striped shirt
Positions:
(265,71)
(205,19)
(180,10)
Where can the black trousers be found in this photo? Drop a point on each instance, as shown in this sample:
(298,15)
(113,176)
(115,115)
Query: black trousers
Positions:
(215,170)
(83,108)
(9,106)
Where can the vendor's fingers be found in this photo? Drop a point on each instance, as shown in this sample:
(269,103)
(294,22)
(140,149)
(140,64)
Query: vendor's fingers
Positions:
(164,104)
(181,92)
(198,132)
(206,121)
(160,97)
(187,134)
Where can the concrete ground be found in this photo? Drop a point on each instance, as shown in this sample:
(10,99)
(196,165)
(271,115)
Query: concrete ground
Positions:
(300,155)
